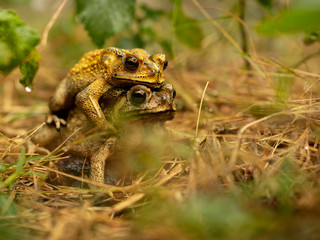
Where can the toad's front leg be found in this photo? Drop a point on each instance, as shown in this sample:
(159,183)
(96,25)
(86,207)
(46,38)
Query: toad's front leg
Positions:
(88,101)
(98,159)
(60,101)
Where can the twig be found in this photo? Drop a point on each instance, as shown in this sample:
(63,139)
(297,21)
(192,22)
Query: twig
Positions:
(306,58)
(45,33)
(285,67)
(199,113)
(240,135)
(244,25)
(236,149)
(119,207)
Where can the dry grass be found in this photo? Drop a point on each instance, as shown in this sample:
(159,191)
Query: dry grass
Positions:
(252,172)
(239,158)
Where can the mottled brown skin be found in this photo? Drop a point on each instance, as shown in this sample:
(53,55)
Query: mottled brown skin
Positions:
(100,70)
(119,106)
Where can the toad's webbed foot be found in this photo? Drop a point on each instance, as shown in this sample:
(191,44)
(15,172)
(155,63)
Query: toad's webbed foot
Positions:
(52,118)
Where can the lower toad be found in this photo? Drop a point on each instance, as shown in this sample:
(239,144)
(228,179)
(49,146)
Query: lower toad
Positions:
(83,140)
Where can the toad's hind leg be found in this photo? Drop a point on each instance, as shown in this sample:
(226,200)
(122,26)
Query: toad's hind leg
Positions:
(98,159)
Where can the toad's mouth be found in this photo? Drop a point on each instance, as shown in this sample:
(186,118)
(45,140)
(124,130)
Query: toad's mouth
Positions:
(139,115)
(152,80)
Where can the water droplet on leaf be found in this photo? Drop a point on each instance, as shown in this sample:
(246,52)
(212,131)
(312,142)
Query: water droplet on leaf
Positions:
(28,89)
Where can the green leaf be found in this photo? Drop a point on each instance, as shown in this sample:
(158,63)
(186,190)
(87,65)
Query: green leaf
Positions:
(104,18)
(167,46)
(29,68)
(291,21)
(132,42)
(303,16)
(266,3)
(6,202)
(187,30)
(17,40)
(152,13)
(305,4)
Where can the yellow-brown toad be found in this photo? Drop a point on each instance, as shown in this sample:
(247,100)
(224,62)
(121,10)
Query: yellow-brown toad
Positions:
(132,107)
(97,72)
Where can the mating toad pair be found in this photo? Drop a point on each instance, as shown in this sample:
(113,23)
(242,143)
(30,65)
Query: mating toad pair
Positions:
(138,75)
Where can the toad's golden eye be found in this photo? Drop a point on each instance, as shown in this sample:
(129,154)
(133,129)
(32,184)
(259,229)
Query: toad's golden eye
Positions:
(165,65)
(131,63)
(138,97)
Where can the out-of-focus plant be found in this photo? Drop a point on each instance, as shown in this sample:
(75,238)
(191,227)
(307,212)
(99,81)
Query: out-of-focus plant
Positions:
(184,29)
(9,216)
(9,220)
(17,46)
(301,16)
(238,214)
(104,18)
(10,172)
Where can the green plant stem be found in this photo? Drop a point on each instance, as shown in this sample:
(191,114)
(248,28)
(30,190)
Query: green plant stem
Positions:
(244,44)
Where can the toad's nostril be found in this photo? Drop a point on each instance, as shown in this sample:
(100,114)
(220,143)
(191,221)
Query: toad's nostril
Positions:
(161,97)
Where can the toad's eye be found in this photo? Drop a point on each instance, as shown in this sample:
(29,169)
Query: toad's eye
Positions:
(174,93)
(131,63)
(138,97)
(165,65)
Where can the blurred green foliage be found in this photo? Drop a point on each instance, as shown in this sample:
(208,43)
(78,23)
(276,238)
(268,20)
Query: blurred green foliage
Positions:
(11,225)
(9,216)
(311,37)
(7,180)
(22,2)
(282,88)
(104,18)
(187,30)
(266,3)
(17,41)
(263,209)
(302,16)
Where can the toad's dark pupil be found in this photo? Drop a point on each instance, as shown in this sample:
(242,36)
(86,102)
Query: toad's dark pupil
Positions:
(138,96)
(165,65)
(174,93)
(131,63)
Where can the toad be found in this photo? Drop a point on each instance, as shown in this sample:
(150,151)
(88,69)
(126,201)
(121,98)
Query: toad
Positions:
(96,73)
(83,140)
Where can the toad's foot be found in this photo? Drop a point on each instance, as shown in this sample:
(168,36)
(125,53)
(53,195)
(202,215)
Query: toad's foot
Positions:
(33,148)
(52,118)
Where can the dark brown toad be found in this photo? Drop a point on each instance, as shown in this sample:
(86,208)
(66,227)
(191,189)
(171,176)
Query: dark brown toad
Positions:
(122,107)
